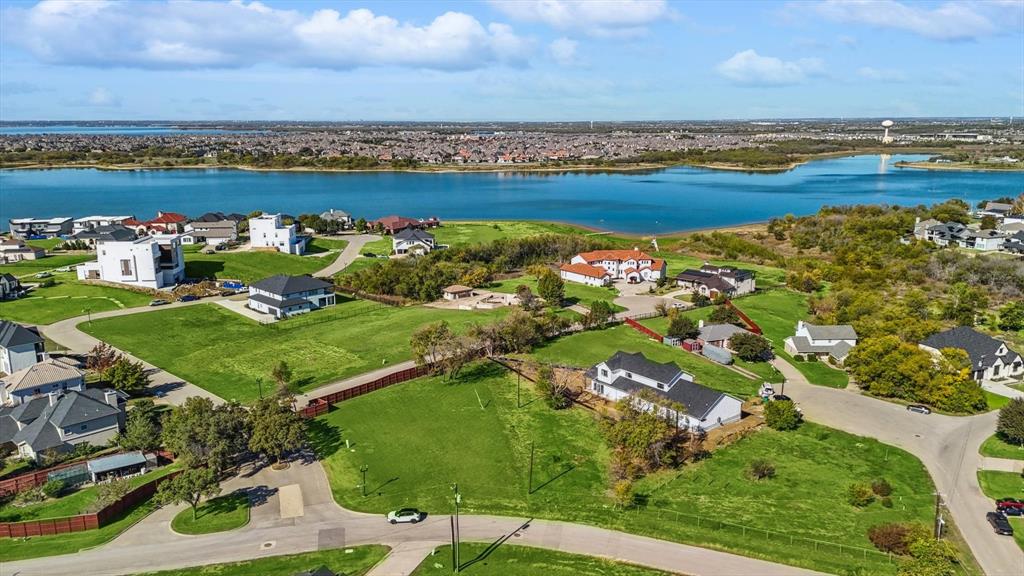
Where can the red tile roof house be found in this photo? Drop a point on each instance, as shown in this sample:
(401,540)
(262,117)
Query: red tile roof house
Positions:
(165,222)
(392,224)
(633,266)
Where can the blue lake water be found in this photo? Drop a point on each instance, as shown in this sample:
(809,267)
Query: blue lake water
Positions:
(652,202)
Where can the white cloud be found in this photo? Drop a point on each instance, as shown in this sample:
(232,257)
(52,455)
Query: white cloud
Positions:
(563,51)
(190,34)
(948,21)
(881,74)
(595,17)
(749,67)
(99,97)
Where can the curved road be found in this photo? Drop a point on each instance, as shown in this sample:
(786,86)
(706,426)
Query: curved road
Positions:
(348,255)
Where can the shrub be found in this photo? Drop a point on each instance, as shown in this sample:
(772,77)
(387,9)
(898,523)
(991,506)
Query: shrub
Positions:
(811,357)
(886,502)
(859,494)
(1011,421)
(53,488)
(881,487)
(760,470)
(751,347)
(29,497)
(110,492)
(782,415)
(897,537)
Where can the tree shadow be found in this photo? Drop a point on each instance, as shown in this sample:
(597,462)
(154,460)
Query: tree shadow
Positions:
(223,504)
(568,469)
(494,546)
(381,487)
(324,438)
(259,495)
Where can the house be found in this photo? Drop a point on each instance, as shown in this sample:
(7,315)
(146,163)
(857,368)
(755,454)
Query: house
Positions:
(394,224)
(718,334)
(148,262)
(44,377)
(218,217)
(412,241)
(20,347)
(282,296)
(10,286)
(630,265)
(31,228)
(59,421)
(945,234)
(14,250)
(921,227)
(990,358)
(1014,244)
(268,231)
(105,232)
(457,292)
(626,374)
(996,209)
(585,274)
(210,233)
(712,280)
(167,223)
(344,219)
(956,234)
(833,342)
(985,240)
(93,222)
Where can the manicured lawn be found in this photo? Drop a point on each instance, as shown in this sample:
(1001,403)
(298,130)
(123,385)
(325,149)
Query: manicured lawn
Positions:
(30,267)
(47,244)
(216,515)
(585,349)
(512,560)
(251,266)
(1018,531)
(996,484)
(350,561)
(462,233)
(766,276)
(226,353)
(14,466)
(997,447)
(995,401)
(68,298)
(470,431)
(320,245)
(574,293)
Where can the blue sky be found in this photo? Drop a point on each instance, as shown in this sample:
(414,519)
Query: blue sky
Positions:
(509,60)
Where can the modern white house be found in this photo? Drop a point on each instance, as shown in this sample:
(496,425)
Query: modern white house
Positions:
(61,420)
(834,341)
(267,231)
(991,359)
(282,296)
(154,262)
(713,280)
(41,378)
(626,374)
(210,233)
(20,347)
(91,222)
(413,241)
(630,265)
(956,234)
(26,228)
(585,274)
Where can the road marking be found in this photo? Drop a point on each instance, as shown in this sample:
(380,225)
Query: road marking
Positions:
(290,497)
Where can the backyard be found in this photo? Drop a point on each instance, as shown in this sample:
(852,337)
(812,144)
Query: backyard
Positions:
(252,266)
(479,559)
(354,561)
(574,293)
(30,267)
(68,298)
(470,431)
(226,353)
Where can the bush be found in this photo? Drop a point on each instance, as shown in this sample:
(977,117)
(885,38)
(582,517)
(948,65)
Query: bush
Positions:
(110,492)
(782,415)
(1011,421)
(751,347)
(886,502)
(881,487)
(29,497)
(897,537)
(859,494)
(760,470)
(54,488)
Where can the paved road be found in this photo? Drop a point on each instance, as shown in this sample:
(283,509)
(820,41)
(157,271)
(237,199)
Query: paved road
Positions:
(947,445)
(348,255)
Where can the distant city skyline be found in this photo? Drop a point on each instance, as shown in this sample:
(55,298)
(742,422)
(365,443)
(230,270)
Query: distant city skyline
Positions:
(509,60)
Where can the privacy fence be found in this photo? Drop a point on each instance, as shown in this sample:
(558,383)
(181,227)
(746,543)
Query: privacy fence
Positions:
(322,404)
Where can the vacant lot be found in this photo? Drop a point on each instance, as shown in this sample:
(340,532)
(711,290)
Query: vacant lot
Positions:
(996,484)
(226,353)
(30,267)
(350,561)
(479,559)
(251,266)
(574,293)
(462,233)
(470,431)
(68,298)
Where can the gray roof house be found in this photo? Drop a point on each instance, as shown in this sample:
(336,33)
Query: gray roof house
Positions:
(10,286)
(282,296)
(339,216)
(105,233)
(990,358)
(412,241)
(59,421)
(211,233)
(20,346)
(718,334)
(45,377)
(826,341)
(627,374)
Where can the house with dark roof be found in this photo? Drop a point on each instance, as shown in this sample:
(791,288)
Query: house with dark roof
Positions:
(413,241)
(991,359)
(219,217)
(711,280)
(210,233)
(59,421)
(105,233)
(45,377)
(20,346)
(344,219)
(824,341)
(718,334)
(10,286)
(630,374)
(393,224)
(282,296)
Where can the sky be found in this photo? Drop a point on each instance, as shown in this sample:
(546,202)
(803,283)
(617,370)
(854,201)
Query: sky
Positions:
(509,60)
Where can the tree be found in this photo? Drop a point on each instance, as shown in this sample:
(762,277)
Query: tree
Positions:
(896,537)
(54,488)
(110,492)
(553,388)
(282,374)
(127,376)
(201,434)
(622,491)
(426,341)
(190,485)
(700,301)
(724,315)
(551,288)
(751,347)
(276,429)
(682,327)
(142,430)
(963,304)
(1011,316)
(930,557)
(527,299)
(361,225)
(101,357)
(989,223)
(782,415)
(1017,207)
(599,314)
(1011,421)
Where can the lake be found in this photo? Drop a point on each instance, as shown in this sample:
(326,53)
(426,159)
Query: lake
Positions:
(646,203)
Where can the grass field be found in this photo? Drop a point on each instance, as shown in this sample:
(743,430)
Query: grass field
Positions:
(320,245)
(47,244)
(68,298)
(478,559)
(30,267)
(996,447)
(349,561)
(251,266)
(995,401)
(463,233)
(226,353)
(996,484)
(574,293)
(469,431)
(215,515)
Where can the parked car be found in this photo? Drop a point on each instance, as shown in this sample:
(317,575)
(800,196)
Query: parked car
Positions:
(1010,506)
(188,298)
(405,515)
(43,275)
(999,523)
(158,302)
(220,247)
(369,254)
(64,269)
(919,408)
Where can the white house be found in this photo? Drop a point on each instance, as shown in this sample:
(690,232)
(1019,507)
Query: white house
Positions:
(25,228)
(20,347)
(713,280)
(210,233)
(629,265)
(267,231)
(626,374)
(14,250)
(585,274)
(344,219)
(39,379)
(91,222)
(413,241)
(822,341)
(282,296)
(990,358)
(155,262)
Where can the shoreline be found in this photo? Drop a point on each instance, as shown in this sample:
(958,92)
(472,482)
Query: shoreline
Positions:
(957,167)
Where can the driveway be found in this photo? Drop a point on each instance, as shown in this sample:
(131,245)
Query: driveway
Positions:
(348,255)
(636,299)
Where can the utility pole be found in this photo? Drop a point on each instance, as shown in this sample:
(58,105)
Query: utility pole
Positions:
(363,469)
(456,536)
(259,382)
(531,467)
(519,378)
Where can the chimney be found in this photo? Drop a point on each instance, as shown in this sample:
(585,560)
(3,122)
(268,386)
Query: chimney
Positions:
(917,221)
(54,398)
(110,397)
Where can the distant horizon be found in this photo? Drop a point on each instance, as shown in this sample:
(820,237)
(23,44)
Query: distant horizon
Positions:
(73,122)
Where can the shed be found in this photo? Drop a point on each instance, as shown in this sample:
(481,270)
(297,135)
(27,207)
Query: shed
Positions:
(118,466)
(457,291)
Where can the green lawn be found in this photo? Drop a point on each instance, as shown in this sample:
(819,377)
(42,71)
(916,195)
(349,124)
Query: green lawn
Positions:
(1018,530)
(996,484)
(47,244)
(319,245)
(574,293)
(215,515)
(226,353)
(997,447)
(349,561)
(14,466)
(766,276)
(30,267)
(478,559)
(68,298)
(251,266)
(469,431)
(995,401)
(462,233)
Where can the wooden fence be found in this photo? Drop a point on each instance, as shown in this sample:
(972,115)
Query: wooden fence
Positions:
(751,325)
(641,328)
(322,404)
(30,480)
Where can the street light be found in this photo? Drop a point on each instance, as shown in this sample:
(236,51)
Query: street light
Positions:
(455,529)
(363,469)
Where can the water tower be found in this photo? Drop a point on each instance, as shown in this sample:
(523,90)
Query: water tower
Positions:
(886,139)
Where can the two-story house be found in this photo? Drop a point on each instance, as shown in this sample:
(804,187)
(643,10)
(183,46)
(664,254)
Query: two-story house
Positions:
(833,342)
(268,231)
(59,421)
(10,286)
(711,280)
(154,262)
(20,347)
(282,296)
(630,265)
(44,377)
(26,228)
(624,375)
(413,241)
(92,222)
(105,233)
(210,233)
(990,358)
(344,219)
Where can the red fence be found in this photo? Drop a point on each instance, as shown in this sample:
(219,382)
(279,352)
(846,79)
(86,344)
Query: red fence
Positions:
(751,325)
(30,480)
(321,405)
(83,522)
(640,327)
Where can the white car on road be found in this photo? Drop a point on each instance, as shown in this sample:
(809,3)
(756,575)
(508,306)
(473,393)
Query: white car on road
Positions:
(405,515)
